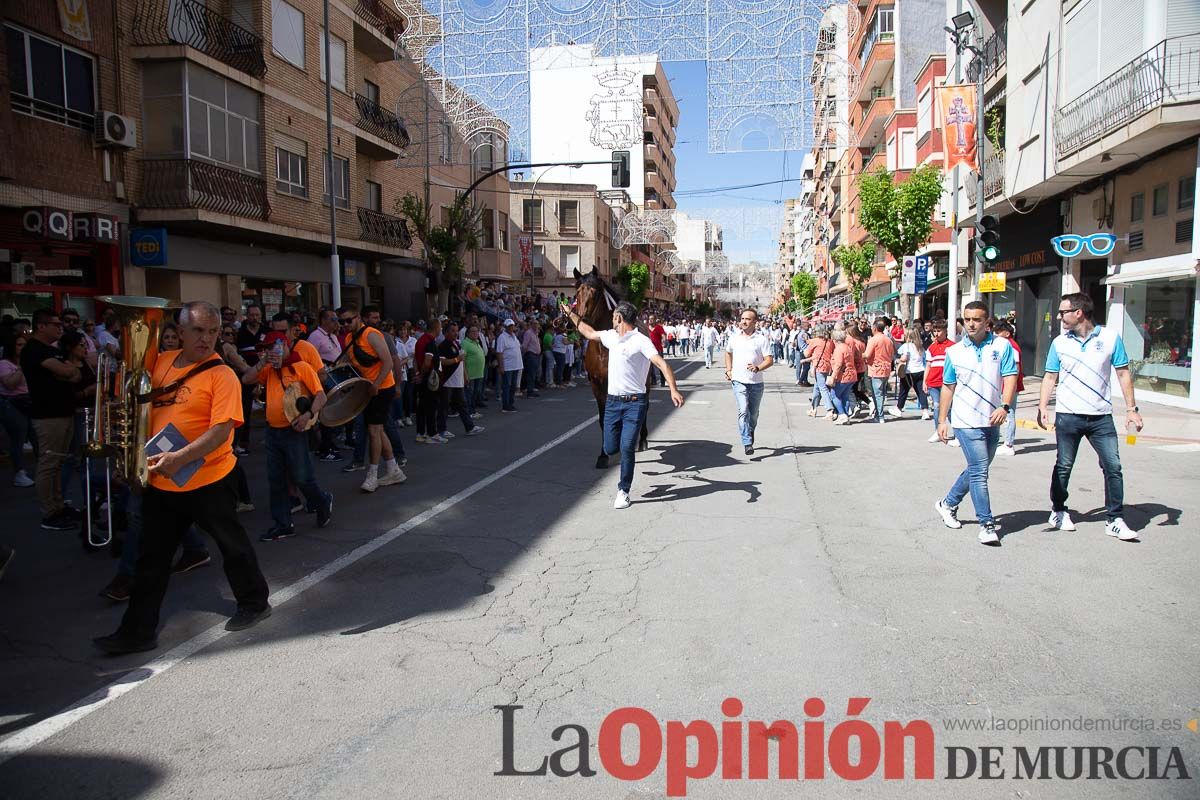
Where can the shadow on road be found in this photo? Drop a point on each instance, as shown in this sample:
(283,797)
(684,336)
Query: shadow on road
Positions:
(1138,516)
(59,775)
(791,450)
(662,492)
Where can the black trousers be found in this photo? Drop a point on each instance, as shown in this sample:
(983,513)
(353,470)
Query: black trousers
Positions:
(165,518)
(452,401)
(241,437)
(427,412)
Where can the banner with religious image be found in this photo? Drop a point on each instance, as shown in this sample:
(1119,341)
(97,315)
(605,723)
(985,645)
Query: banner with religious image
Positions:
(959,125)
(73,17)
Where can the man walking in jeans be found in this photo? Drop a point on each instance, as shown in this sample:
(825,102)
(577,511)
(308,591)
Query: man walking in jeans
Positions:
(1080,362)
(879,355)
(630,354)
(746,356)
(981,375)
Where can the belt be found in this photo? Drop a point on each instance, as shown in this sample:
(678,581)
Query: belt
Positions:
(628,398)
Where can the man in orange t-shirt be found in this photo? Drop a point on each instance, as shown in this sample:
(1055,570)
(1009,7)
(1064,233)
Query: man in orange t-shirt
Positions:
(879,355)
(288,456)
(204,407)
(370,355)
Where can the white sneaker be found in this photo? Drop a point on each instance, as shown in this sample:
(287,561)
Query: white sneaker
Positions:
(436,440)
(842,420)
(422,439)
(926,415)
(949,515)
(371,482)
(622,500)
(1061,521)
(896,412)
(446,435)
(988,535)
(476,415)
(955,443)
(812,412)
(392,477)
(1006,450)
(478,429)
(935,439)
(22,480)
(1117,528)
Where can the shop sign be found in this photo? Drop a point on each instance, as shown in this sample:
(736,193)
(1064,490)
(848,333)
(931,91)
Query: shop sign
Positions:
(148,247)
(66,226)
(992,282)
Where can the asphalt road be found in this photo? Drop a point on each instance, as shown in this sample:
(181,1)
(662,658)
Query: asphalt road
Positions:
(500,574)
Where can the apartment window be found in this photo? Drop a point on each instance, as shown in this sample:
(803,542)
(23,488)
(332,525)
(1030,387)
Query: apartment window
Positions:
(925,112)
(1137,207)
(287,33)
(337,54)
(568,216)
(502,230)
(374,196)
(223,119)
(908,149)
(371,91)
(1161,194)
(163,116)
(531,215)
(445,216)
(291,166)
(341,180)
(568,259)
(447,135)
(49,80)
(487,151)
(1187,192)
(487,222)
(884,22)
(537,257)
(891,154)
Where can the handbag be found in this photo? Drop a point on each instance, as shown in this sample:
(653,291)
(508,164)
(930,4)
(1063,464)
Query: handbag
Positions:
(901,369)
(433,381)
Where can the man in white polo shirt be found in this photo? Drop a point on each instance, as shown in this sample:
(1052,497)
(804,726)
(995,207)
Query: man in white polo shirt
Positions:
(630,354)
(979,381)
(746,356)
(1081,362)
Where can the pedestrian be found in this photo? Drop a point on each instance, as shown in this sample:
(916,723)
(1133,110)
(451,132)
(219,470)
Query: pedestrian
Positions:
(911,356)
(746,356)
(630,354)
(531,355)
(249,336)
(508,355)
(879,355)
(845,367)
(370,356)
(1008,446)
(657,337)
(454,382)
(708,340)
(15,407)
(1080,364)
(985,366)
(935,359)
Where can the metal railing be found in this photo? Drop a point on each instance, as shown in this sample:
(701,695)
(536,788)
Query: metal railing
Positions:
(191,23)
(383,228)
(993,172)
(188,183)
(375,119)
(1169,72)
(995,51)
(381,17)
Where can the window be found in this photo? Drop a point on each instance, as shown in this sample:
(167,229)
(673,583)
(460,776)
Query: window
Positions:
(1161,195)
(1187,192)
(374,196)
(884,22)
(287,33)
(487,223)
(908,149)
(447,135)
(531,215)
(502,229)
(341,180)
(223,119)
(537,257)
(1136,240)
(568,216)
(163,117)
(371,91)
(487,151)
(568,258)
(337,53)
(1137,207)
(891,154)
(49,80)
(291,166)
(1183,231)
(925,112)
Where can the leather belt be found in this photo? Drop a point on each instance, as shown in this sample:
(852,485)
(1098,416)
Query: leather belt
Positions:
(628,398)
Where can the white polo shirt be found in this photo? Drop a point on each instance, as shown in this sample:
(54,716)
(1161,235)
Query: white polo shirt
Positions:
(1084,368)
(628,361)
(747,350)
(977,372)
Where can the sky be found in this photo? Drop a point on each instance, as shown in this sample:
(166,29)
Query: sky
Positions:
(750,217)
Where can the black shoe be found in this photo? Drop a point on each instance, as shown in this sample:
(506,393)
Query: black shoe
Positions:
(749,449)
(60,522)
(190,561)
(325,512)
(246,618)
(119,644)
(71,512)
(276,533)
(297,505)
(118,589)
(331,457)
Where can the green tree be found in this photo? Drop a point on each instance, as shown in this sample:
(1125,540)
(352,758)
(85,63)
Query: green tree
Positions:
(446,245)
(634,277)
(804,292)
(854,260)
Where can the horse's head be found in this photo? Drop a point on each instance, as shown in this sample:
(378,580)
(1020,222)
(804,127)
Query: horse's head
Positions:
(594,300)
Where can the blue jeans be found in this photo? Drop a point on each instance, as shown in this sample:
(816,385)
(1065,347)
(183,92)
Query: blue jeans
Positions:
(361,439)
(193,542)
(749,398)
(802,367)
(822,394)
(288,456)
(474,394)
(622,423)
(19,430)
(935,402)
(509,389)
(560,368)
(1101,433)
(708,356)
(841,397)
(879,392)
(1010,425)
(979,448)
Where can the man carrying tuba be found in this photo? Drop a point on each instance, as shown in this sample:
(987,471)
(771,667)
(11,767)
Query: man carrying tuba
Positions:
(195,406)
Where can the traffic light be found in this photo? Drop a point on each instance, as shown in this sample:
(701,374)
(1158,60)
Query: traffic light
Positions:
(620,169)
(987,239)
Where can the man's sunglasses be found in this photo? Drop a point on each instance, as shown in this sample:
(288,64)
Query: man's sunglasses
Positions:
(1070,245)
(1065,311)
(346,320)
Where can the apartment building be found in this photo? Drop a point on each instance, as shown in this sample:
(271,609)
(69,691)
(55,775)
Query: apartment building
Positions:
(830,79)
(571,228)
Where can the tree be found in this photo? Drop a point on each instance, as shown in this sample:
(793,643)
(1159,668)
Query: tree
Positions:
(854,260)
(634,277)
(448,244)
(900,216)
(804,292)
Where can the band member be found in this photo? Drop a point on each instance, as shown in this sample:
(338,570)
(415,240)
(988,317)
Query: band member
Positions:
(370,356)
(198,395)
(287,442)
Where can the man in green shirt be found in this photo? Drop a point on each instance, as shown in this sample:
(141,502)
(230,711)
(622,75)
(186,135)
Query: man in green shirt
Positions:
(475,353)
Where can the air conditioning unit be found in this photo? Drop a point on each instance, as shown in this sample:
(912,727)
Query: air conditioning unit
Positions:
(114,130)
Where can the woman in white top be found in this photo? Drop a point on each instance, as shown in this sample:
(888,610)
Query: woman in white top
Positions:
(911,356)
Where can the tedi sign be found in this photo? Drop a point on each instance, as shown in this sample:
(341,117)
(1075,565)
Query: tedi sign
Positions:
(69,226)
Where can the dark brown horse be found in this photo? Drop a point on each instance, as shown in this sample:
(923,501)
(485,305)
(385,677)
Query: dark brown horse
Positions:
(595,300)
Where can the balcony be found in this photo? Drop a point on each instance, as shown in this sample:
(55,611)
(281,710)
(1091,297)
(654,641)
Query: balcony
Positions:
(1165,75)
(876,159)
(381,134)
(191,23)
(993,173)
(995,52)
(874,120)
(377,28)
(187,183)
(384,229)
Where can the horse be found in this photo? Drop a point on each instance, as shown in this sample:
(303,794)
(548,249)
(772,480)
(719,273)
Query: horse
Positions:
(595,300)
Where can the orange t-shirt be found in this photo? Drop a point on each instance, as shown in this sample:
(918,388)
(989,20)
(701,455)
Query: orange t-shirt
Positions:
(277,380)
(209,399)
(308,354)
(371,372)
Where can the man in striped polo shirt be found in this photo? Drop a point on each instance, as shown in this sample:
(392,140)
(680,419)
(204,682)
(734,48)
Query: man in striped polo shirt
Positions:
(1080,363)
(979,381)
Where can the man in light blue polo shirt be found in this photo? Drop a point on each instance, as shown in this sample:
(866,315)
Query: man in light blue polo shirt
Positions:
(979,381)
(1080,363)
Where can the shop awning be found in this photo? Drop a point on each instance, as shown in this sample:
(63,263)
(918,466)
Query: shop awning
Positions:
(1183,265)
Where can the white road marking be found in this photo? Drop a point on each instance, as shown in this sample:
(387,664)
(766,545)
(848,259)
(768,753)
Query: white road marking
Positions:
(699,402)
(1179,448)
(34,735)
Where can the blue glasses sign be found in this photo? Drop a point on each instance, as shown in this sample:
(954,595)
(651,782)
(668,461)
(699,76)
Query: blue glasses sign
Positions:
(1070,245)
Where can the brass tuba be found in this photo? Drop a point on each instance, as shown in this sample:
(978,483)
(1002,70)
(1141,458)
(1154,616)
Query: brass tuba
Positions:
(120,423)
